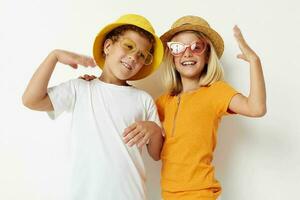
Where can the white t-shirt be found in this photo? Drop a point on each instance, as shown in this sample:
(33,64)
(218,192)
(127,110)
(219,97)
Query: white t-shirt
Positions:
(103,166)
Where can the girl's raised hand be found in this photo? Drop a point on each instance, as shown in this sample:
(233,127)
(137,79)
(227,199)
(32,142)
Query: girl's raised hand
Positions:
(73,59)
(247,53)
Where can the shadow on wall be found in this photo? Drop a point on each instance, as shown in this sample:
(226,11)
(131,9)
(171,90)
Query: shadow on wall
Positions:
(152,84)
(248,155)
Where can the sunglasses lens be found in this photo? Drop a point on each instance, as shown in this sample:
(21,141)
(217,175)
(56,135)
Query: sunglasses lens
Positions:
(176,48)
(148,59)
(198,47)
(128,45)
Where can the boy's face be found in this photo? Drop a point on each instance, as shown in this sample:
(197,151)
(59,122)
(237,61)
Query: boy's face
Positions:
(120,61)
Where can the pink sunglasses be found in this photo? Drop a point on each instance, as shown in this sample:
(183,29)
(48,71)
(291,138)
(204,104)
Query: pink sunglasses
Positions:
(177,48)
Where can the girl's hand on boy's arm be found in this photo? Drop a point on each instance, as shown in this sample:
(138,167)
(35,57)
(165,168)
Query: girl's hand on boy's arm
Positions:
(73,59)
(87,77)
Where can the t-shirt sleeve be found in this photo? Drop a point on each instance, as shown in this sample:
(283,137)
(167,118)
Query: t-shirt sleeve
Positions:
(160,104)
(152,114)
(223,94)
(62,98)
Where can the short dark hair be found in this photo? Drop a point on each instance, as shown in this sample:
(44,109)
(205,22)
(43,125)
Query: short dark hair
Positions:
(117,32)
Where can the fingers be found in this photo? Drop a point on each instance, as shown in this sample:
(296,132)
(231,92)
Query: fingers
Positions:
(74,59)
(129,129)
(143,141)
(136,134)
(247,53)
(91,62)
(131,135)
(163,133)
(238,34)
(75,66)
(138,139)
(140,133)
(87,77)
(240,38)
(241,56)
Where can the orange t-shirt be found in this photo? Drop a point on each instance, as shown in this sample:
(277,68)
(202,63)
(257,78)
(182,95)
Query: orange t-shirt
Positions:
(191,121)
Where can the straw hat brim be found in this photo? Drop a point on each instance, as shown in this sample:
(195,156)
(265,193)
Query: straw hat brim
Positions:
(211,34)
(145,70)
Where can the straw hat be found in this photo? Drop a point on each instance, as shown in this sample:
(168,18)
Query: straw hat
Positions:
(194,23)
(141,22)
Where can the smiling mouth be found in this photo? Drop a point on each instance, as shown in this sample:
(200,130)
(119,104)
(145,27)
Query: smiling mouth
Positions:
(127,66)
(188,63)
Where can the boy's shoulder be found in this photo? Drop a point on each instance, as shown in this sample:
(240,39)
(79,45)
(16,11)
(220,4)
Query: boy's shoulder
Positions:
(77,82)
(141,93)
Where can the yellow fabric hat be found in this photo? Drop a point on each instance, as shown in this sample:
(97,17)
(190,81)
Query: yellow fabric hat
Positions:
(195,23)
(141,22)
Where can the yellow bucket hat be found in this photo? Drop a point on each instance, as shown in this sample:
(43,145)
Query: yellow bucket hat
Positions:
(195,23)
(141,22)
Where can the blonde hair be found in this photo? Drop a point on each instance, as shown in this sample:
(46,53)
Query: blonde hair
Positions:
(211,73)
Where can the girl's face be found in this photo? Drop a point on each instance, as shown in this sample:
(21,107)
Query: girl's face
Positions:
(189,63)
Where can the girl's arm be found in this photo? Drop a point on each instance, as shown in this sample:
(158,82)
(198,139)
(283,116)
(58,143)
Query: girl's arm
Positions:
(255,104)
(35,96)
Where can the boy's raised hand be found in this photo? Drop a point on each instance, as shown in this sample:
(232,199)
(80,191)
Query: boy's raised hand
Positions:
(73,59)
(247,53)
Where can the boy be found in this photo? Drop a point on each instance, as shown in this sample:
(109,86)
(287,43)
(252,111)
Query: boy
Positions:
(106,164)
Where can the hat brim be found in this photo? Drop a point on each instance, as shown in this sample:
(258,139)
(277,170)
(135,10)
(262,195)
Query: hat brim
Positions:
(211,34)
(145,70)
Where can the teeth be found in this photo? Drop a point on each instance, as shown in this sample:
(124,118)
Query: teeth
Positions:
(188,63)
(127,65)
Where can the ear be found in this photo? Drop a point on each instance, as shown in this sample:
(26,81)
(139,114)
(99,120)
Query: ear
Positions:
(107,45)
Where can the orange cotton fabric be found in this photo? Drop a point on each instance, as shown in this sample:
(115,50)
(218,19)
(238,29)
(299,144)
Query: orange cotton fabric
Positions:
(191,132)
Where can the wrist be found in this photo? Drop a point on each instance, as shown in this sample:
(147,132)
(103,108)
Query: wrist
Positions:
(254,59)
(54,54)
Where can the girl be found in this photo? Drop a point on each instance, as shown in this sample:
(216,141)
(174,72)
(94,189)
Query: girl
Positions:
(196,100)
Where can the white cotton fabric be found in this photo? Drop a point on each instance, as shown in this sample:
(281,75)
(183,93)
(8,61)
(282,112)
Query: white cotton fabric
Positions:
(103,166)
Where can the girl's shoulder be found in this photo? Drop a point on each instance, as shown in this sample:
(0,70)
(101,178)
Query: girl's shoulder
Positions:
(165,97)
(222,89)
(220,85)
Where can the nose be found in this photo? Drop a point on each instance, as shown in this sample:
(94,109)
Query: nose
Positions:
(133,56)
(188,52)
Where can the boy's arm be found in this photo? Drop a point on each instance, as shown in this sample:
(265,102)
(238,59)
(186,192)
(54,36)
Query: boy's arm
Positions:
(255,104)
(155,144)
(35,96)
(145,132)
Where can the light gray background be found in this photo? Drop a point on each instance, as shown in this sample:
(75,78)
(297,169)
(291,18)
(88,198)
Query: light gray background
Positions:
(255,158)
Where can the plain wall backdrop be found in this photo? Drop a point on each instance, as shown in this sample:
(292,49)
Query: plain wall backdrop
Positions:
(256,159)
